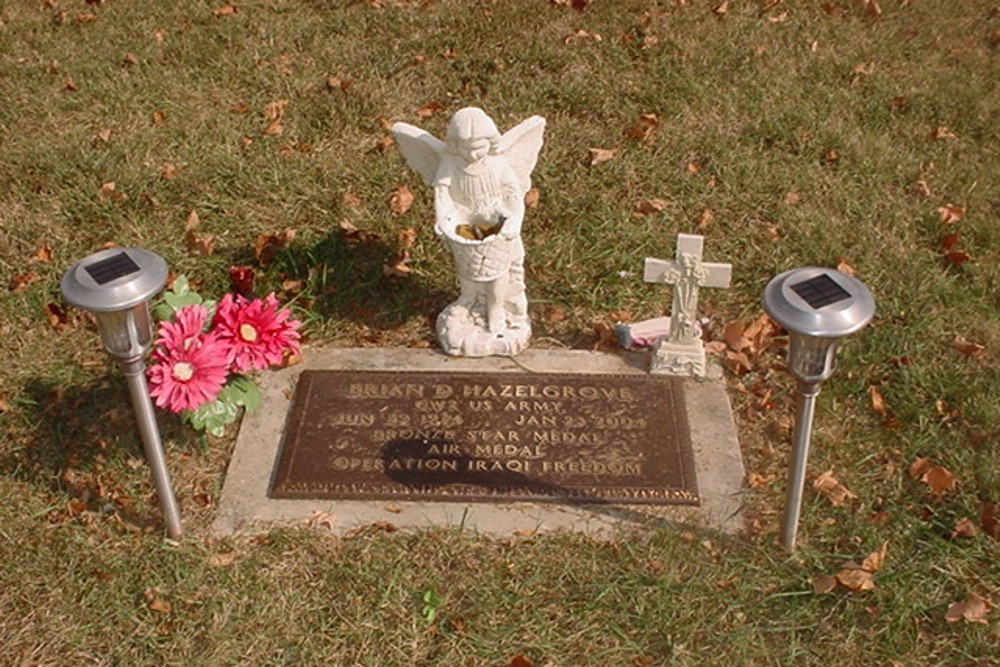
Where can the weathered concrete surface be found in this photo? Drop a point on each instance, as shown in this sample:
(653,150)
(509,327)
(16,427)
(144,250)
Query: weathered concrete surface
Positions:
(245,506)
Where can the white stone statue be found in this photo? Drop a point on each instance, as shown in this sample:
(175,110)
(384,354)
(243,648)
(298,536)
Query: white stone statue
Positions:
(480,178)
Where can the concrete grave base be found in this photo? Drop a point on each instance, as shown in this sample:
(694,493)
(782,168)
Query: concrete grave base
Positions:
(246,507)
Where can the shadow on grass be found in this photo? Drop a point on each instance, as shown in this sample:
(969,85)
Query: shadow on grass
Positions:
(347,276)
(82,442)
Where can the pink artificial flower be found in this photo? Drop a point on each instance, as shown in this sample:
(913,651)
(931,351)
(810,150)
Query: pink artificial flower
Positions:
(190,366)
(257,331)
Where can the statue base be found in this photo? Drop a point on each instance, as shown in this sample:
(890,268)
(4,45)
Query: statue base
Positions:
(685,359)
(463,332)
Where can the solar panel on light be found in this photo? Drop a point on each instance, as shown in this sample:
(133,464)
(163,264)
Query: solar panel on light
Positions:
(112,268)
(820,291)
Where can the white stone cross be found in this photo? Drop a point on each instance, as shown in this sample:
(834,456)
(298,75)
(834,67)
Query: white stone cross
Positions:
(682,353)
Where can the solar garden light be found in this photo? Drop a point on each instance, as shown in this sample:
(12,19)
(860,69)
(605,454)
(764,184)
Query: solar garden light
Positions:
(818,307)
(116,286)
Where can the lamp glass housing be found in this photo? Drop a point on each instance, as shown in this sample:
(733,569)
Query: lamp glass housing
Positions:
(128,333)
(811,358)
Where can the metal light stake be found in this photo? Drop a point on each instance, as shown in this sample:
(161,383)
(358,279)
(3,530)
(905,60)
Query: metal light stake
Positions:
(116,286)
(818,307)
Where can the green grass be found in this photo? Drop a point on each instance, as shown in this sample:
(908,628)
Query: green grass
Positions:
(832,106)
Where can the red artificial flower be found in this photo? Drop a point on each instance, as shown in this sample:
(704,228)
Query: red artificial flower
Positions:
(257,332)
(189,366)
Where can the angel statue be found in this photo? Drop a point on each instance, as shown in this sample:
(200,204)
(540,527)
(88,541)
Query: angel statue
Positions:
(480,178)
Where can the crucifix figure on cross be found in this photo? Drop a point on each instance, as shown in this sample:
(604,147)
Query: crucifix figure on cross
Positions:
(682,352)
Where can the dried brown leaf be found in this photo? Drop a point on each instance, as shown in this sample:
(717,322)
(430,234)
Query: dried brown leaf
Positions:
(44,254)
(531,198)
(223,559)
(429,109)
(735,336)
(199,246)
(192,221)
(225,10)
(397,266)
(973,609)
(824,584)
(643,128)
(856,580)
(267,246)
(705,218)
(649,206)
(156,603)
(158,118)
(941,133)
(939,479)
(407,237)
(878,402)
(989,521)
(109,192)
(964,527)
(950,214)
(845,267)
(828,486)
(967,347)
(19,282)
(401,201)
(874,561)
(598,155)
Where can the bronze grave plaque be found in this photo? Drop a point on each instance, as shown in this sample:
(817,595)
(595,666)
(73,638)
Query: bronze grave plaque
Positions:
(462,436)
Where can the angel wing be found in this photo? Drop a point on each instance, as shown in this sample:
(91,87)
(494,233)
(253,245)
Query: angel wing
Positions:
(521,144)
(421,149)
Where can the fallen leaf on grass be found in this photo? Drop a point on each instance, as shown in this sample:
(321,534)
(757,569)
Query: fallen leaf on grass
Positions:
(967,347)
(824,584)
(57,316)
(964,528)
(643,128)
(874,561)
(878,403)
(721,9)
(949,214)
(274,113)
(649,207)
(109,192)
(407,237)
(44,254)
(19,282)
(531,198)
(352,233)
(705,218)
(223,559)
(520,661)
(871,8)
(429,109)
(397,266)
(225,10)
(192,220)
(988,520)
(856,580)
(972,609)
(941,133)
(599,155)
(158,118)
(938,478)
(844,267)
(827,485)
(267,246)
(199,246)
(156,603)
(401,200)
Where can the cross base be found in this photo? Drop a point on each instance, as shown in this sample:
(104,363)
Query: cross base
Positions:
(685,359)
